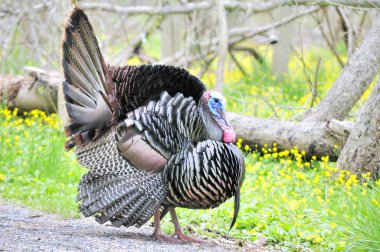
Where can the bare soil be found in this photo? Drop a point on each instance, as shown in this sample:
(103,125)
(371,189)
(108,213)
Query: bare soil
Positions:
(23,229)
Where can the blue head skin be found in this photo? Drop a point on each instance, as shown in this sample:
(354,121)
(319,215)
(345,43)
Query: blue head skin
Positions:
(216,106)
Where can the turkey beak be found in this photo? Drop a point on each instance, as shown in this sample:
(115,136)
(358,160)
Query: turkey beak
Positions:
(229,134)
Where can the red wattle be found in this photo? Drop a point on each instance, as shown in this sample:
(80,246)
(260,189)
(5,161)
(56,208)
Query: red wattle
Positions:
(229,135)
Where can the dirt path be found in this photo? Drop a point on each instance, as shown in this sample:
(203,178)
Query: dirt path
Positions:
(22,229)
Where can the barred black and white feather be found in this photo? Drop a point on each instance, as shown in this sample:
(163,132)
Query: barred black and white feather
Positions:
(145,135)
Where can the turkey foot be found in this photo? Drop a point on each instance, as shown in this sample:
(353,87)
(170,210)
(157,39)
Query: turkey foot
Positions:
(182,237)
(178,230)
(161,237)
(157,234)
(178,236)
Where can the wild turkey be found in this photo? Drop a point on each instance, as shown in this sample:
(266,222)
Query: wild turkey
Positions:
(152,137)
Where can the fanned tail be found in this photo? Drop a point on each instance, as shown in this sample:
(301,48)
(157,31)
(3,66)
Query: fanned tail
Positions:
(121,199)
(113,190)
(87,83)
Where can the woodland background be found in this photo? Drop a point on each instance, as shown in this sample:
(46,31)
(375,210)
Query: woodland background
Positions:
(300,78)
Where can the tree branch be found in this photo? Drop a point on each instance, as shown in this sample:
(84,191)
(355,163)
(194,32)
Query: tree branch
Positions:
(362,152)
(240,34)
(236,35)
(361,69)
(348,30)
(147,10)
(256,7)
(251,51)
(270,5)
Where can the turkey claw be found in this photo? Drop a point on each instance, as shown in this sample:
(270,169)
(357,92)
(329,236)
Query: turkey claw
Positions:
(166,238)
(182,237)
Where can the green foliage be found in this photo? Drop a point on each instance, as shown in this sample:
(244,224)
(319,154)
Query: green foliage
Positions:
(295,204)
(359,223)
(261,94)
(33,166)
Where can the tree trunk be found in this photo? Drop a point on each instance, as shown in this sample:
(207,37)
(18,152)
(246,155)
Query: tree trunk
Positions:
(362,152)
(315,138)
(171,35)
(223,45)
(355,78)
(282,49)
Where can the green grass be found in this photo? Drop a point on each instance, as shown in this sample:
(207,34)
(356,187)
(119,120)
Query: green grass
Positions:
(296,205)
(261,94)
(297,208)
(362,231)
(33,166)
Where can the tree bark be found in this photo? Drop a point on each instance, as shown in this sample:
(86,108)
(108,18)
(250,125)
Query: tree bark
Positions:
(171,35)
(361,69)
(282,49)
(315,138)
(362,152)
(223,45)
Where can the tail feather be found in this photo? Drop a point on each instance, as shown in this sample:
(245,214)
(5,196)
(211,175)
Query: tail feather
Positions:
(87,186)
(129,214)
(113,190)
(96,201)
(87,82)
(75,77)
(77,112)
(138,214)
(115,208)
(147,214)
(82,49)
(72,94)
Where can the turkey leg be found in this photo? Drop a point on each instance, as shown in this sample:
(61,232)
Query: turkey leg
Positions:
(157,233)
(178,230)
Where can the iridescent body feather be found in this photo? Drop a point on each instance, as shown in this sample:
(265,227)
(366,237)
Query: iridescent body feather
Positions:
(152,137)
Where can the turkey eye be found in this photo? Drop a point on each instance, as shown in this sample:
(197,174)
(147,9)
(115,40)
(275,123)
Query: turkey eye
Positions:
(216,100)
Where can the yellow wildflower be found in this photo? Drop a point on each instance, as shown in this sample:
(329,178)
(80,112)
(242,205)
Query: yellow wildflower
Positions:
(309,237)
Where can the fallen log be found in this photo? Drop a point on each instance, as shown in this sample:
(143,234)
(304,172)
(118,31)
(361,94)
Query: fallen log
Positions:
(315,138)
(40,90)
(37,90)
